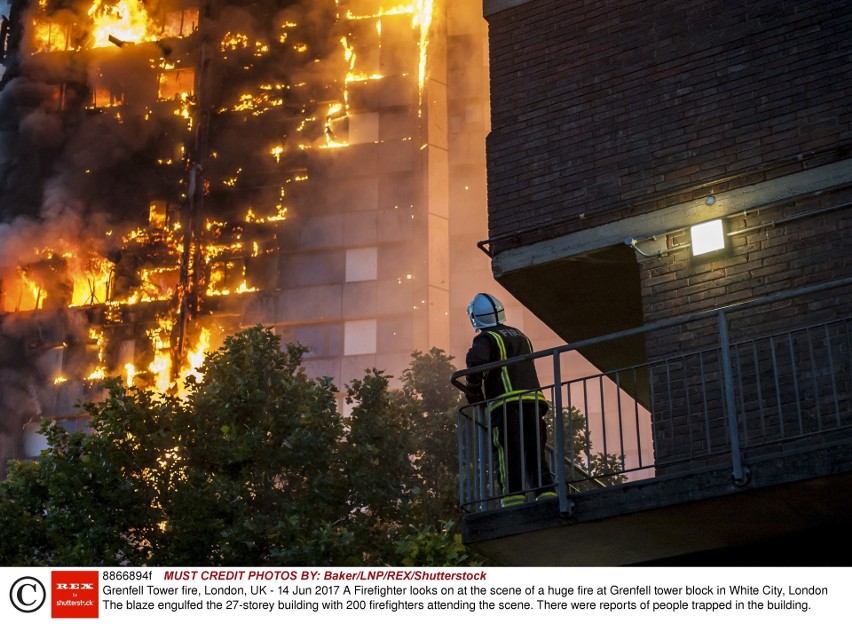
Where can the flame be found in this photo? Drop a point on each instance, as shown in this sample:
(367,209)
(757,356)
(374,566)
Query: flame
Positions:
(50,36)
(100,371)
(221,272)
(160,336)
(280,215)
(125,20)
(334,112)
(233,42)
(195,357)
(422,12)
(184,108)
(91,278)
(38,294)
(218,265)
(399,9)
(256,104)
(423,18)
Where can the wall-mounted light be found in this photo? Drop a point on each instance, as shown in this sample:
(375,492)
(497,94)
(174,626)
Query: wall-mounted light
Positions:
(707,237)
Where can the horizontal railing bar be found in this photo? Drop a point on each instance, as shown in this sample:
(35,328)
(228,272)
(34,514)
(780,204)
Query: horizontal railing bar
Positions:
(664,324)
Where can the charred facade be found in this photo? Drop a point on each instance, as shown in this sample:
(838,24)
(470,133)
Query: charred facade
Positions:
(172,171)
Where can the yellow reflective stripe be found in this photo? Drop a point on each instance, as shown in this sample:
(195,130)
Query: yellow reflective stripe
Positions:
(517,395)
(504,372)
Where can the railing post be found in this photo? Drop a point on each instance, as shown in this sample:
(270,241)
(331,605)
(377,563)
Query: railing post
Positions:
(484,449)
(565,506)
(738,472)
(462,457)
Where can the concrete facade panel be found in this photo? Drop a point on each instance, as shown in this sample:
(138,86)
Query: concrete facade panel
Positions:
(311,303)
(320,232)
(312,269)
(396,125)
(395,224)
(394,295)
(395,153)
(395,335)
(360,228)
(360,299)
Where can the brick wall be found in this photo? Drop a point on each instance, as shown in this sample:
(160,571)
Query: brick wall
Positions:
(605,110)
(804,243)
(788,386)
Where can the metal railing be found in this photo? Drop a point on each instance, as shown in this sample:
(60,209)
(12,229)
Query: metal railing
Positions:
(751,379)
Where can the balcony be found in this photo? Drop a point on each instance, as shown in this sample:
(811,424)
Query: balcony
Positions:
(732,447)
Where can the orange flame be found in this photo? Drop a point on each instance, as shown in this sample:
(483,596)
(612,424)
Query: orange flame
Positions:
(160,336)
(195,357)
(125,20)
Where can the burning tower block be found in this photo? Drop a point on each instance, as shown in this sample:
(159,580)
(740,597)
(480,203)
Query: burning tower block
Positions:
(175,173)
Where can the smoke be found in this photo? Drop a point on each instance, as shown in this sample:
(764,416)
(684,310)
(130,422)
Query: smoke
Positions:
(91,139)
(26,393)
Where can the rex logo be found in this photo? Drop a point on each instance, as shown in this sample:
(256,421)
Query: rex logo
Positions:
(74,594)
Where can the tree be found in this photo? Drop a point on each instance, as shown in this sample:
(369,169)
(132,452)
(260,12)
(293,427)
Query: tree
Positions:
(378,449)
(592,469)
(425,384)
(254,466)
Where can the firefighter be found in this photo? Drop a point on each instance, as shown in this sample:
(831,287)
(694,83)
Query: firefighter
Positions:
(515,404)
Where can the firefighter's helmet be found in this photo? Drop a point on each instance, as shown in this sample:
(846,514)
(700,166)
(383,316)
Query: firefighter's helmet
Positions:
(485,310)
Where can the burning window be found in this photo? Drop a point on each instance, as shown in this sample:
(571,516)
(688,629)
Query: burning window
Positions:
(118,22)
(103,97)
(52,35)
(176,83)
(180,23)
(41,284)
(228,276)
(157,214)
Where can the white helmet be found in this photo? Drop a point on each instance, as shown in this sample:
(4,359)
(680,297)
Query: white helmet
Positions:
(485,310)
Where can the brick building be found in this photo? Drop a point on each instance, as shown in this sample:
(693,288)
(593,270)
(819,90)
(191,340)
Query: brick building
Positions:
(619,133)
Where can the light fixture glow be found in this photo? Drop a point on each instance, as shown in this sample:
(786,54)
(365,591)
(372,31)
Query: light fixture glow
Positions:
(707,237)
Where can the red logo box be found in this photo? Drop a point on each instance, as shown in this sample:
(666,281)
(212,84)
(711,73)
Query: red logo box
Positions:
(74,594)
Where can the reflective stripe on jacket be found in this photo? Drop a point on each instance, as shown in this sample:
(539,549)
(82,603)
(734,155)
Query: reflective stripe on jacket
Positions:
(514,382)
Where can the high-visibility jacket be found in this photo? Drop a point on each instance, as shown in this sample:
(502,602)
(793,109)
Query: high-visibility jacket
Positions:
(518,381)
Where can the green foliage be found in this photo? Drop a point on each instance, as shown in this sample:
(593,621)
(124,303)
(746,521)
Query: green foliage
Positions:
(592,469)
(424,546)
(254,466)
(435,401)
